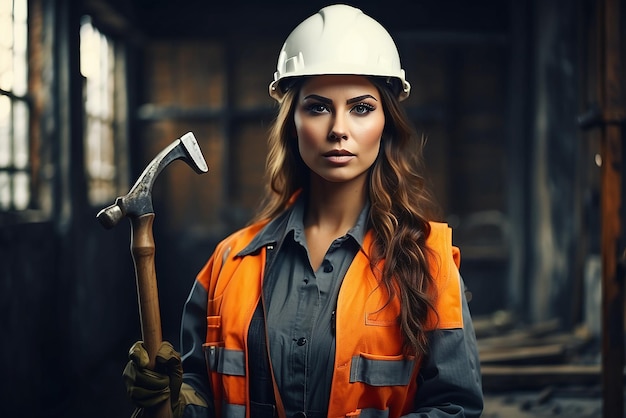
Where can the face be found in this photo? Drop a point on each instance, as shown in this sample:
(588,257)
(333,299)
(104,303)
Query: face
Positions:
(339,121)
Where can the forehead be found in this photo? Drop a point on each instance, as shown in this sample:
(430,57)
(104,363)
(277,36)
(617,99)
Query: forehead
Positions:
(339,86)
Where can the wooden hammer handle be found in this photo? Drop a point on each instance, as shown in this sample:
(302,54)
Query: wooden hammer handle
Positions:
(143,249)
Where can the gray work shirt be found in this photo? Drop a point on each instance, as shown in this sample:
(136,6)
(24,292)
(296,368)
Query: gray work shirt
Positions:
(301,307)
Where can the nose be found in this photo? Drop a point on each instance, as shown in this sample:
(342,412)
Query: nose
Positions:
(334,136)
(338,130)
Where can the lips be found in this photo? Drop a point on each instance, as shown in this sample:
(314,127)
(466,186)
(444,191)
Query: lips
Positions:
(339,157)
(338,153)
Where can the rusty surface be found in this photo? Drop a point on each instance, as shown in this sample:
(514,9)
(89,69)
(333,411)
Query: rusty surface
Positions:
(138,201)
(610,92)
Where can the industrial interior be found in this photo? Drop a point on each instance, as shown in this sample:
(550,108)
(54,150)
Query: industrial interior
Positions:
(521,102)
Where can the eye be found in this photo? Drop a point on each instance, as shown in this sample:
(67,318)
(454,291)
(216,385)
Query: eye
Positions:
(317,108)
(363,108)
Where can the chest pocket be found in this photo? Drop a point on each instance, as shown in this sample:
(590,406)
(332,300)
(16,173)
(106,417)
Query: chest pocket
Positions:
(381,361)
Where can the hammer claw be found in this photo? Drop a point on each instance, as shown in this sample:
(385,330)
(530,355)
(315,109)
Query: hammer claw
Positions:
(138,201)
(193,150)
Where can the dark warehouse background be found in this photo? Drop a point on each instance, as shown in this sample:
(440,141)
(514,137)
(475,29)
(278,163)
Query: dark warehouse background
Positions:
(522,102)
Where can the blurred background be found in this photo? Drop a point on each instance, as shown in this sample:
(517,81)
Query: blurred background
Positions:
(522,104)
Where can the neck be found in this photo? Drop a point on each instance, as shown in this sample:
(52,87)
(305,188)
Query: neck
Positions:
(335,207)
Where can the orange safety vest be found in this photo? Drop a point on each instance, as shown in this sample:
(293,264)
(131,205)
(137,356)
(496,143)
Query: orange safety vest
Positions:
(368,336)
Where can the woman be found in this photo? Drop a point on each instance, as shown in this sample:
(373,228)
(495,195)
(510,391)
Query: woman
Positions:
(342,298)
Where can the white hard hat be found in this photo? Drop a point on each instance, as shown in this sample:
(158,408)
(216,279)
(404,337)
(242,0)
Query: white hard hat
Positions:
(339,39)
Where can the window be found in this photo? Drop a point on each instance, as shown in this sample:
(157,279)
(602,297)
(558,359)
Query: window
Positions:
(97,65)
(15,177)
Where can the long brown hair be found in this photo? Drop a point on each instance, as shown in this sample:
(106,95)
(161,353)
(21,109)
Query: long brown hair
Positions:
(401,205)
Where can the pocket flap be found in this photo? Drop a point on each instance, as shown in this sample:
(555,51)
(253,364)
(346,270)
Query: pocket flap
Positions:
(381,370)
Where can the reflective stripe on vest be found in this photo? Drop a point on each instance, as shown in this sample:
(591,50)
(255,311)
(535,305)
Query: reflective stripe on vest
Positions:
(224,361)
(371,413)
(233,411)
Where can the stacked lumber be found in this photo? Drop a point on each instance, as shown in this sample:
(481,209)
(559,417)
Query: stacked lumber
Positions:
(519,357)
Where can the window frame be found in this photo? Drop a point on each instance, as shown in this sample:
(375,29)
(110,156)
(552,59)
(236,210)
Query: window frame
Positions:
(16,165)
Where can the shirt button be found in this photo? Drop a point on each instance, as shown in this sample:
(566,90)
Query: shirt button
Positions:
(328,267)
(299,415)
(301,342)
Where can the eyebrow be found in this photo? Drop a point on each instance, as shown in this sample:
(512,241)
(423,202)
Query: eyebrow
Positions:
(349,101)
(360,98)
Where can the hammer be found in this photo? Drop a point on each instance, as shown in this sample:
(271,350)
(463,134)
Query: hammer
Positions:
(137,206)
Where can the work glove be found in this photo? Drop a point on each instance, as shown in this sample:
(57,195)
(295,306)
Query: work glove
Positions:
(148,388)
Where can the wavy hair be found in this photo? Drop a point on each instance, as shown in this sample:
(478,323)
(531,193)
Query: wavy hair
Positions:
(401,206)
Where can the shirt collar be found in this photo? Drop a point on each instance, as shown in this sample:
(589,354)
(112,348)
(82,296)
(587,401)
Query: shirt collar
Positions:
(293,220)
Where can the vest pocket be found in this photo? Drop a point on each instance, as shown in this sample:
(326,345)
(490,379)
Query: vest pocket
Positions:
(377,370)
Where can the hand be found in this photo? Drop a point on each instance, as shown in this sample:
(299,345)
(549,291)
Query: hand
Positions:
(148,388)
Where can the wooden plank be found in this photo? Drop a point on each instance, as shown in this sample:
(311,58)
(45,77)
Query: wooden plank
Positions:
(503,378)
(571,340)
(502,325)
(543,354)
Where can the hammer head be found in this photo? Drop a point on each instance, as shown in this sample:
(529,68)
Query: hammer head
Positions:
(138,201)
